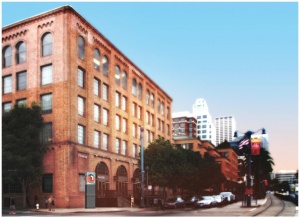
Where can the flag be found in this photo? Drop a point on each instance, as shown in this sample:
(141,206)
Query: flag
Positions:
(243,142)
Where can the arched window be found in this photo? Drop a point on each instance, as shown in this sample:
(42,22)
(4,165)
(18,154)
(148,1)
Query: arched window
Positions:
(158,106)
(47,44)
(105,66)
(124,80)
(152,100)
(96,59)
(147,97)
(134,87)
(122,171)
(21,53)
(81,47)
(7,56)
(117,75)
(140,91)
(102,169)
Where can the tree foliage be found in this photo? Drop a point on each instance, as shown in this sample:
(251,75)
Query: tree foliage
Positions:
(22,153)
(178,168)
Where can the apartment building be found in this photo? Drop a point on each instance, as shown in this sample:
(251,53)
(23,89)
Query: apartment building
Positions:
(94,100)
(184,124)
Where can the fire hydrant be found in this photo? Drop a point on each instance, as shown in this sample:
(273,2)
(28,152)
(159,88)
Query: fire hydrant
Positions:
(37,206)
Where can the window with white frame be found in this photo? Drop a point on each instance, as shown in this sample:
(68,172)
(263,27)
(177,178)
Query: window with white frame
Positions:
(124,127)
(7,84)
(124,147)
(81,134)
(105,117)
(105,142)
(117,149)
(124,80)
(22,80)
(96,87)
(139,112)
(134,87)
(105,65)
(105,92)
(81,75)
(117,75)
(96,139)
(47,44)
(81,108)
(7,56)
(140,91)
(96,59)
(118,122)
(46,103)
(6,107)
(118,99)
(81,47)
(134,130)
(96,113)
(46,75)
(124,103)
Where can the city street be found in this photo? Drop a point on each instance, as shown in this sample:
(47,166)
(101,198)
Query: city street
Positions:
(265,208)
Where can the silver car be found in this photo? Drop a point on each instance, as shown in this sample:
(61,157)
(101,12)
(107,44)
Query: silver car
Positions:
(206,201)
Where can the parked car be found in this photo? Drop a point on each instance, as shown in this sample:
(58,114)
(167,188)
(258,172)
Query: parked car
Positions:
(191,201)
(174,203)
(206,201)
(228,196)
(219,199)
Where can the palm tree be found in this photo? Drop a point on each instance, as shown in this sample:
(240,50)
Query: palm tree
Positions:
(261,169)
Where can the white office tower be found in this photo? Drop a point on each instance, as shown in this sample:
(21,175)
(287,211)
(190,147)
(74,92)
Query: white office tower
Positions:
(205,127)
(225,128)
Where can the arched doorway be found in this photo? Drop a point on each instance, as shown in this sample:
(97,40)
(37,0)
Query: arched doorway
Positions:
(136,180)
(122,181)
(102,180)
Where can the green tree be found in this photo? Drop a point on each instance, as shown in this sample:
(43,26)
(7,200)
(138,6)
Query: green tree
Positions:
(178,168)
(22,153)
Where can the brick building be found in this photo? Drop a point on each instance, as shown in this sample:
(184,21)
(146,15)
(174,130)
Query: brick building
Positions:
(93,100)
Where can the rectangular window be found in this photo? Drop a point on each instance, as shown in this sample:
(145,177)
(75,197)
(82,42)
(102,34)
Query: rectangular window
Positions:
(47,183)
(6,107)
(124,125)
(134,146)
(147,117)
(81,134)
(46,75)
(46,133)
(105,142)
(81,108)
(22,102)
(124,148)
(117,99)
(134,109)
(96,139)
(46,103)
(96,87)
(96,113)
(117,122)
(139,112)
(105,92)
(81,182)
(81,75)
(7,84)
(105,117)
(124,103)
(21,80)
(117,146)
(134,130)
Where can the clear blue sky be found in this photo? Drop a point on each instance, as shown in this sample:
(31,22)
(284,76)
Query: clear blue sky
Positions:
(242,58)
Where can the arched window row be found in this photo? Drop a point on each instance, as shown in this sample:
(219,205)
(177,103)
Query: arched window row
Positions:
(20,54)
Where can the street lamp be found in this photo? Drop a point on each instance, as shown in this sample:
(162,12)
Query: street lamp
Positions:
(147,169)
(142,203)
(249,190)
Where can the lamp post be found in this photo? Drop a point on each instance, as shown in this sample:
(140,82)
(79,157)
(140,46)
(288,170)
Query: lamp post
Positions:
(147,204)
(142,203)
(249,178)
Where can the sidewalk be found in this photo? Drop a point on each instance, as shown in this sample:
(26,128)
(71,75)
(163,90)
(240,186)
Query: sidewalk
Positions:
(90,210)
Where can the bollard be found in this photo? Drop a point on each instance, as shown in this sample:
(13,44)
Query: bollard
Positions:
(37,206)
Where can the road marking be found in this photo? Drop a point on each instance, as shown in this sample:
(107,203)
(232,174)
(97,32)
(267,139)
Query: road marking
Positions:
(252,209)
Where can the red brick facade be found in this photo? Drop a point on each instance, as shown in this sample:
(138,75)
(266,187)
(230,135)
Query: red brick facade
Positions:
(67,159)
